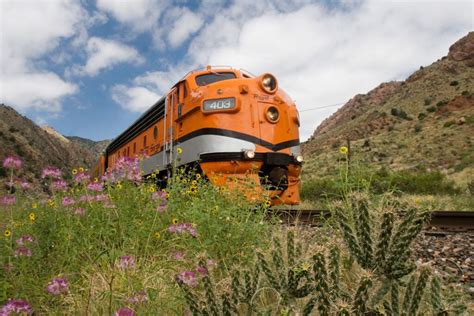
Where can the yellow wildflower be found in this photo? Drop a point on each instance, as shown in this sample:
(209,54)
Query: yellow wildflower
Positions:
(157,235)
(194,182)
(81,169)
(198,176)
(153,175)
(7,233)
(175,221)
(343,150)
(268,203)
(51,203)
(32,216)
(96,180)
(34,205)
(151,189)
(305,266)
(74,171)
(179,150)
(119,186)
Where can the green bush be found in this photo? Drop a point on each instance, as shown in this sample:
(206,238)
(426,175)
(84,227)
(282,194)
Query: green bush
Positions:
(441,103)
(421,116)
(427,101)
(449,123)
(454,83)
(378,182)
(431,109)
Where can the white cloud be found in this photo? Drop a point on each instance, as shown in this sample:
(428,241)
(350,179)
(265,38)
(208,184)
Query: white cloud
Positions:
(41,91)
(141,15)
(134,99)
(186,24)
(31,29)
(104,53)
(146,89)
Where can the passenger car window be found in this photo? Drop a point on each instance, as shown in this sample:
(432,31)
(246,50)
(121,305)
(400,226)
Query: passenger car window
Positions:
(209,78)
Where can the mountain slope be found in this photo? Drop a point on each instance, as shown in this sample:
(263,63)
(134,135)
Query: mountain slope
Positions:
(425,122)
(38,147)
(95,147)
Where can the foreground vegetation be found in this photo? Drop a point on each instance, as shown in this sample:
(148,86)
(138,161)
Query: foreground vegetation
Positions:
(121,246)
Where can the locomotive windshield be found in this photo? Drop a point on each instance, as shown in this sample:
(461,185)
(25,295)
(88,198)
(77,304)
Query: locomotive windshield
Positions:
(204,80)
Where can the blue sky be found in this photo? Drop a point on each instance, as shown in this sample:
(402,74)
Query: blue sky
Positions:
(90,68)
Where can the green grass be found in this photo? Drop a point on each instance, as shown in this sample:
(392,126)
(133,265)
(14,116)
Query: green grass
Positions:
(86,249)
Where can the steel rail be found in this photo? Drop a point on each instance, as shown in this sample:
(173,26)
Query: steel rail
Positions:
(443,220)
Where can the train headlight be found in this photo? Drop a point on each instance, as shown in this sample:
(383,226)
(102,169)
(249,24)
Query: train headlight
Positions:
(249,154)
(269,83)
(273,114)
(299,158)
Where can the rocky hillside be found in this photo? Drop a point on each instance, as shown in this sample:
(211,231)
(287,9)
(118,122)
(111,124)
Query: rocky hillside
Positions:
(39,147)
(96,148)
(425,122)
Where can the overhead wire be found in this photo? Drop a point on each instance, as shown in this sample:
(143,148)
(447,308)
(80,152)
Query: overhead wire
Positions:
(323,107)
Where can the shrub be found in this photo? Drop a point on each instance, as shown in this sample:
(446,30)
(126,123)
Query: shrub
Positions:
(431,109)
(394,111)
(449,123)
(378,182)
(465,93)
(454,83)
(441,103)
(418,128)
(428,101)
(421,116)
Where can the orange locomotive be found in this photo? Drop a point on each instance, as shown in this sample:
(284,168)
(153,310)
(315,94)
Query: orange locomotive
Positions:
(227,123)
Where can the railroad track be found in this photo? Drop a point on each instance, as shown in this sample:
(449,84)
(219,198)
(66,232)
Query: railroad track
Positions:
(452,221)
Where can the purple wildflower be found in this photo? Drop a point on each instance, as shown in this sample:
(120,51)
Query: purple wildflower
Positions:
(202,270)
(95,186)
(126,168)
(58,286)
(25,185)
(81,177)
(126,262)
(125,311)
(101,197)
(59,185)
(15,306)
(139,297)
(182,228)
(68,201)
(11,163)
(188,278)
(86,198)
(23,251)
(211,263)
(80,211)
(10,183)
(23,239)
(158,195)
(8,200)
(52,172)
(179,255)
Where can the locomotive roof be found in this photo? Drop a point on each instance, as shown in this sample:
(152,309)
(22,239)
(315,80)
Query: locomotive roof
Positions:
(155,112)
